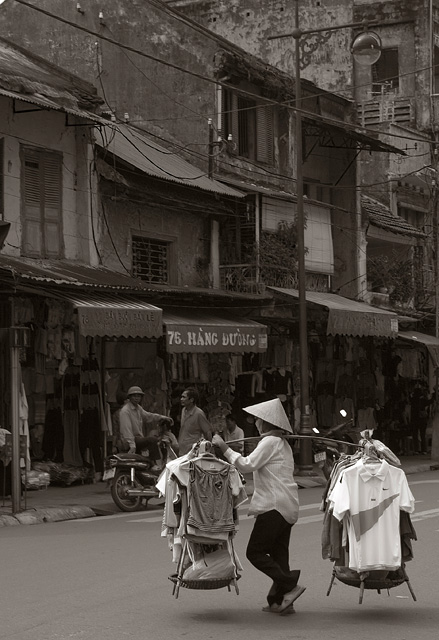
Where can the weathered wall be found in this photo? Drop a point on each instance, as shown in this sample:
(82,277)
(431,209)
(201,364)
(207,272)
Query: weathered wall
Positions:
(158,98)
(155,97)
(249,24)
(413,40)
(46,129)
(185,229)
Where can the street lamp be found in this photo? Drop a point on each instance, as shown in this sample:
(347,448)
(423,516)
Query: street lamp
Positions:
(366,49)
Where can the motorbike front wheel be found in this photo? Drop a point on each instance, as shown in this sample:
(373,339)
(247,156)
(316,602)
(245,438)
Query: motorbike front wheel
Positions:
(122,482)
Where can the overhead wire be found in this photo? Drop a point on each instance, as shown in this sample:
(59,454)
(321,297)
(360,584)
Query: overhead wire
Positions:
(122,46)
(214,81)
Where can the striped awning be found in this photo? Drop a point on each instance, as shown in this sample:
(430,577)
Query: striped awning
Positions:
(111,315)
(202,333)
(350,317)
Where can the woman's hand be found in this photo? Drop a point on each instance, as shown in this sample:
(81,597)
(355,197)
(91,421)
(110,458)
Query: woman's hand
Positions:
(217,441)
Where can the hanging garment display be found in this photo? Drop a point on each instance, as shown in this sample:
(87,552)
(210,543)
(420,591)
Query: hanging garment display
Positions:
(364,532)
(200,531)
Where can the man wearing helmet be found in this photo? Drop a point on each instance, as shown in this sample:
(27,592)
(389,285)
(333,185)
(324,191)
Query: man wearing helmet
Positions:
(132,419)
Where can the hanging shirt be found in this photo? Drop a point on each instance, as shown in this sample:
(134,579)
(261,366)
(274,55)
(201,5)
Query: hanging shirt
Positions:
(372,496)
(272,464)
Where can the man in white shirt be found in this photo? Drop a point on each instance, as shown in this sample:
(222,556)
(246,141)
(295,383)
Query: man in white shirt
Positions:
(132,418)
(275,502)
(232,432)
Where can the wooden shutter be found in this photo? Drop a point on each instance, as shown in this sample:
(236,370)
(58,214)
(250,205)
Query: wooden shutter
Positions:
(32,241)
(264,134)
(52,206)
(41,204)
(234,120)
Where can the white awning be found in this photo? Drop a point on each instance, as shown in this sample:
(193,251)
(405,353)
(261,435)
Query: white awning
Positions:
(203,333)
(114,315)
(350,317)
(430,342)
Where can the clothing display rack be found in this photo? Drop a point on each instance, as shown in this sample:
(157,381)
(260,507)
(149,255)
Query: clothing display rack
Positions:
(361,502)
(200,530)
(376,580)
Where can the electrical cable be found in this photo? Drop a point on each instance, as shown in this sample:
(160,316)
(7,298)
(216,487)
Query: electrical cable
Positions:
(117,43)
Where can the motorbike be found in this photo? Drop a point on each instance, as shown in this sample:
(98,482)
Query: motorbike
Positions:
(329,449)
(132,478)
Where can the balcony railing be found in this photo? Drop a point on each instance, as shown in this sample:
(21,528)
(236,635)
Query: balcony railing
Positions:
(243,278)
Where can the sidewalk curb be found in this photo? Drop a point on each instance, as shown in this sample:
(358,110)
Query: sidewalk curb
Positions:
(48,514)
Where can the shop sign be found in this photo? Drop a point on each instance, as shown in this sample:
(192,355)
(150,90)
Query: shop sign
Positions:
(127,322)
(216,339)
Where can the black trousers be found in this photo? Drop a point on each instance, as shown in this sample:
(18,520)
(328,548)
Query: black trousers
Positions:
(268,551)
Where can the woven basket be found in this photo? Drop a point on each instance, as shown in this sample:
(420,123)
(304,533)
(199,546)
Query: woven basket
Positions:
(212,583)
(393,580)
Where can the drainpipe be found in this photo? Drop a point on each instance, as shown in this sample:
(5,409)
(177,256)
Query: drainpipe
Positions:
(360,256)
(258,199)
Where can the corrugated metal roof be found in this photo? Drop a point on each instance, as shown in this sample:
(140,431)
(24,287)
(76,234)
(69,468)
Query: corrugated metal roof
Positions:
(334,301)
(19,270)
(26,77)
(136,148)
(68,273)
(381,216)
(45,103)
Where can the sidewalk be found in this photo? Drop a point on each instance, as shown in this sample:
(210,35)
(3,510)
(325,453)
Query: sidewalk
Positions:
(89,500)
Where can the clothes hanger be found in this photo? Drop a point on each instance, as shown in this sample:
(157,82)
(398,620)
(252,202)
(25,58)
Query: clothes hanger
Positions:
(370,455)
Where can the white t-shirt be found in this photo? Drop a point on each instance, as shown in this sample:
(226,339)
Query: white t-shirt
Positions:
(371,496)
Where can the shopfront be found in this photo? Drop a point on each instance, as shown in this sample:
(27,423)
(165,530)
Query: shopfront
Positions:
(211,352)
(354,356)
(85,350)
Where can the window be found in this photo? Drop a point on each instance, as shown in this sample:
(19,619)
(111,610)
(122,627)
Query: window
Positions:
(251,124)
(41,206)
(385,72)
(319,256)
(412,216)
(151,260)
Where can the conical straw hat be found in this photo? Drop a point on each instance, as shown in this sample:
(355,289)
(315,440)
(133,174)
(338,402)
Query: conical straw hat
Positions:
(273,412)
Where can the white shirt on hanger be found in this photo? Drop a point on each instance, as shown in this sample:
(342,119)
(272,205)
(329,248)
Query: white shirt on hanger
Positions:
(371,495)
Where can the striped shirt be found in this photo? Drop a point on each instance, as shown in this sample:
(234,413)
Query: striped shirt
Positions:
(272,464)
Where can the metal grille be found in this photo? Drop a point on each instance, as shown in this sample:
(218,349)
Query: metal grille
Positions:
(151,260)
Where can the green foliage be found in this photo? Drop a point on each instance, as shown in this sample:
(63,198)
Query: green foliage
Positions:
(393,273)
(278,256)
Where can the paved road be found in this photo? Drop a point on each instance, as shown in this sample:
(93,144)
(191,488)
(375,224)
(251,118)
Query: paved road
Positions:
(106,579)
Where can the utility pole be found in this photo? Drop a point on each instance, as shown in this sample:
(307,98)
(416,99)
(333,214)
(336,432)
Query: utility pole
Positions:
(210,152)
(18,339)
(435,223)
